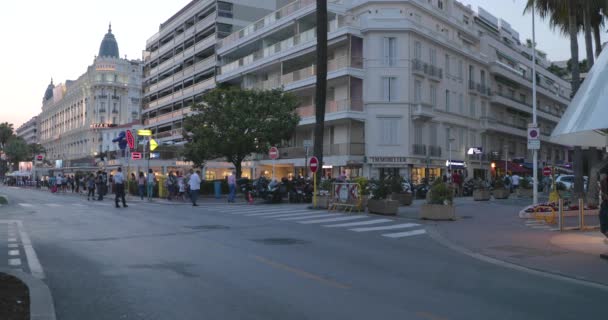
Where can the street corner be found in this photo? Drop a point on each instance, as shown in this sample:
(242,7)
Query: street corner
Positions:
(592,243)
(32,297)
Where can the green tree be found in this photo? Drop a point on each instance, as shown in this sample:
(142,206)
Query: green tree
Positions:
(321,85)
(233,123)
(6,132)
(36,149)
(556,70)
(16,150)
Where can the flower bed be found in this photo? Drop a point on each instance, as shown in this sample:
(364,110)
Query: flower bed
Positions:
(569,210)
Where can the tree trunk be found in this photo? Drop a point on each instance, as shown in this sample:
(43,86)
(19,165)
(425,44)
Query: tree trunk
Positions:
(588,39)
(598,40)
(321,85)
(572,9)
(238,167)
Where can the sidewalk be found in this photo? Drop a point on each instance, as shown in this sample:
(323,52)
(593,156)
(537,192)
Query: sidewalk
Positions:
(493,228)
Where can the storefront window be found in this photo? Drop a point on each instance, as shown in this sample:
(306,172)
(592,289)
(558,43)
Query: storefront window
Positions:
(418,174)
(209,175)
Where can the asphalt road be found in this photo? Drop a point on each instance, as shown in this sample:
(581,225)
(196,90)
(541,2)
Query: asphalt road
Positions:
(220,261)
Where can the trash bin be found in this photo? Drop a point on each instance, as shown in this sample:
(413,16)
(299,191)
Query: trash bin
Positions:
(217,187)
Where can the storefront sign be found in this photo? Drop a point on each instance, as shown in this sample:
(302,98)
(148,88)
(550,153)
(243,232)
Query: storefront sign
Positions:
(105,67)
(475,150)
(184,163)
(387,159)
(455,163)
(102,125)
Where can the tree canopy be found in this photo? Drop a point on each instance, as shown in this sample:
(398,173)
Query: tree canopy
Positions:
(16,150)
(6,132)
(232,123)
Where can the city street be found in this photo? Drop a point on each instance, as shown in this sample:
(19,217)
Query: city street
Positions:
(235,261)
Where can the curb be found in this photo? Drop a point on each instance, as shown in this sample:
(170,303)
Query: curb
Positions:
(41,301)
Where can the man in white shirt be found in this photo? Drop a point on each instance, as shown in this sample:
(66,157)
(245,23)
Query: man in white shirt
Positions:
(119,181)
(195,186)
(515,180)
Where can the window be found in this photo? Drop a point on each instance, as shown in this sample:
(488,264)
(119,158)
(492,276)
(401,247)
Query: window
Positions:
(389,87)
(447,64)
(461,104)
(440,4)
(390,51)
(483,77)
(417,133)
(417,91)
(471,73)
(433,95)
(433,134)
(472,139)
(461,142)
(465,19)
(389,130)
(522,98)
(483,109)
(447,100)
(114,120)
(500,89)
(460,69)
(224,9)
(472,107)
(433,56)
(418,50)
(448,136)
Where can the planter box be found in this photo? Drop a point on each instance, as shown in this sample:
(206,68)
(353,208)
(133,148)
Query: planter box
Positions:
(481,195)
(528,193)
(405,199)
(322,202)
(364,201)
(501,193)
(386,207)
(437,212)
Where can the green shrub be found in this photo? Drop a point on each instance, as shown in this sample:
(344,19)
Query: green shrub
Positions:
(325,185)
(396,183)
(479,184)
(525,183)
(499,183)
(441,193)
(364,184)
(380,189)
(3,200)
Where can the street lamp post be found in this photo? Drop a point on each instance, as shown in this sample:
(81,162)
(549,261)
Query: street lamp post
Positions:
(450,140)
(534,106)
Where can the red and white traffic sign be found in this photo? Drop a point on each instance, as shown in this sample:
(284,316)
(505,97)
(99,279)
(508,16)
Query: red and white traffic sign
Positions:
(273,153)
(136,155)
(313,164)
(130,139)
(39,157)
(546,171)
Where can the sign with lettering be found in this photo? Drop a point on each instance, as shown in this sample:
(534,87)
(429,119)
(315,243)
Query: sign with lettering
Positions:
(102,125)
(387,159)
(105,67)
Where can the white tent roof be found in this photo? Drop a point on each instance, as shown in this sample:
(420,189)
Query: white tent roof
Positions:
(585,121)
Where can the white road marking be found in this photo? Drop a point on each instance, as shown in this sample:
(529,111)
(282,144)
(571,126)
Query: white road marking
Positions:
(30,253)
(53,205)
(26,205)
(265,213)
(361,223)
(13,252)
(79,205)
(14,262)
(12,239)
(405,234)
(540,227)
(332,220)
(396,226)
(13,245)
(294,214)
(326,215)
(255,211)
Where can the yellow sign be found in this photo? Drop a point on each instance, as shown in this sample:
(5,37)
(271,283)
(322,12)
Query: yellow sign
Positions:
(144,133)
(153,145)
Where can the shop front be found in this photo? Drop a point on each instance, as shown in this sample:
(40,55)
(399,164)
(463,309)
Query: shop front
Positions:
(379,167)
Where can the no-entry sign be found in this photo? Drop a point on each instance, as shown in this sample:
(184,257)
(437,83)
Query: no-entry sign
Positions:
(546,171)
(273,153)
(314,164)
(136,155)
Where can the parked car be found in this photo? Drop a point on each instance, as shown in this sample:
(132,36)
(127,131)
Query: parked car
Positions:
(568,181)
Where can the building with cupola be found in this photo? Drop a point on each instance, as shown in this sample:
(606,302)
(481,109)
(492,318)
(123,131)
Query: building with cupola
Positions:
(79,117)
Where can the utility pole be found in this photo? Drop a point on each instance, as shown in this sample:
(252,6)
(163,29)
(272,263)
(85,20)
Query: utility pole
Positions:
(534,106)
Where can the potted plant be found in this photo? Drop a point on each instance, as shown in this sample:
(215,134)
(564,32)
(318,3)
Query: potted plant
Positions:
(324,193)
(525,188)
(500,191)
(380,201)
(400,190)
(439,204)
(481,192)
(365,190)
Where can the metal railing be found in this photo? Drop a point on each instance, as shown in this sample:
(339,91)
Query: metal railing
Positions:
(427,69)
(419,149)
(434,151)
(332,107)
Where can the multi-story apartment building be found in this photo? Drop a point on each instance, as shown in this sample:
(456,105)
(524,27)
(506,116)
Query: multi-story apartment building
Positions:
(78,116)
(412,85)
(28,131)
(180,60)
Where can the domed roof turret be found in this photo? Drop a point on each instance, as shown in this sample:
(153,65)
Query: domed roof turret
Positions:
(109,46)
(48,94)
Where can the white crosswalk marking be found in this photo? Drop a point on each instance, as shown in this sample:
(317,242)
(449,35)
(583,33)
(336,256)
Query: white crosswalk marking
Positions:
(405,234)
(293,214)
(27,205)
(396,226)
(265,213)
(327,215)
(332,220)
(53,205)
(360,223)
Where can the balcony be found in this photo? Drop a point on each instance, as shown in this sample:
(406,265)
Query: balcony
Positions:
(509,101)
(434,151)
(115,111)
(419,149)
(346,105)
(338,149)
(102,110)
(267,21)
(425,69)
(422,111)
(309,72)
(178,114)
(478,88)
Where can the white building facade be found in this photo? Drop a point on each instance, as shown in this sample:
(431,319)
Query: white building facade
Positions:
(28,131)
(411,85)
(77,116)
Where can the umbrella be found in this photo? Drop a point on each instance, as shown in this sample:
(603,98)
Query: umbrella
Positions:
(585,121)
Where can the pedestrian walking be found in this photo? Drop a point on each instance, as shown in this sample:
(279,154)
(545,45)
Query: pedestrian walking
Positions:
(195,186)
(141,185)
(515,181)
(231,186)
(90,187)
(100,185)
(171,185)
(181,185)
(119,184)
(150,181)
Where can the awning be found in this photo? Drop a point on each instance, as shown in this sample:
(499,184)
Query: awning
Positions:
(585,121)
(512,166)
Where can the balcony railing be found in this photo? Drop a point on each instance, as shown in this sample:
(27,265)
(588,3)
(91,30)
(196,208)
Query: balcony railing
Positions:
(419,149)
(338,149)
(168,116)
(266,21)
(434,151)
(427,69)
(332,107)
(479,88)
(301,74)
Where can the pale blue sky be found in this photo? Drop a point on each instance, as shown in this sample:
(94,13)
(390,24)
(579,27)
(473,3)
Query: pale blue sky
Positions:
(44,39)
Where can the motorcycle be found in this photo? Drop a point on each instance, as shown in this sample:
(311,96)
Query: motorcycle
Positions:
(247,189)
(277,190)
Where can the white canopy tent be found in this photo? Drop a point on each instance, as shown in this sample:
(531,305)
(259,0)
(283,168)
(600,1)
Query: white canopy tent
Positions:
(585,122)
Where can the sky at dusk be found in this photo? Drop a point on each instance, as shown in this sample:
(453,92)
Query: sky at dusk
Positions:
(59,39)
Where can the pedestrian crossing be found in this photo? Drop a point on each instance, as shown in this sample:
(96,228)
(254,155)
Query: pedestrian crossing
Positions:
(87,204)
(357,223)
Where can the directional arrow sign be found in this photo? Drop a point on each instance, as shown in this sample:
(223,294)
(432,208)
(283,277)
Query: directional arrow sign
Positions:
(153,145)
(130,139)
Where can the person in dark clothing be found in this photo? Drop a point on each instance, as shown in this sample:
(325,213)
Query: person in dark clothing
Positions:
(91,187)
(100,185)
(604,207)
(119,181)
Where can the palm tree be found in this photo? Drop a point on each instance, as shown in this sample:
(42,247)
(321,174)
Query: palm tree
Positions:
(321,85)
(562,15)
(597,22)
(6,132)
(587,7)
